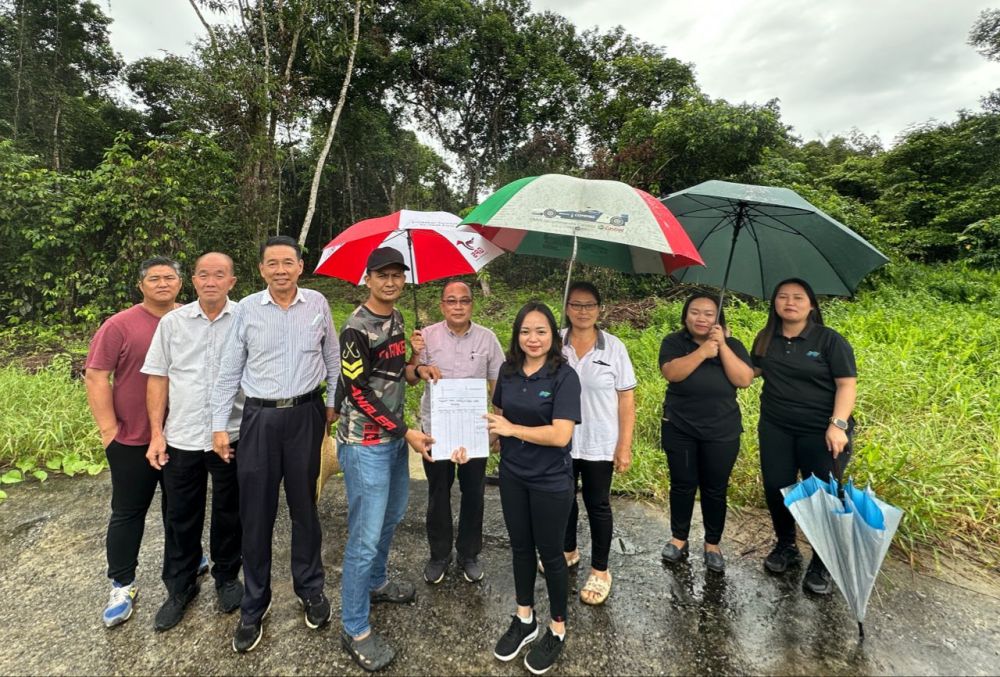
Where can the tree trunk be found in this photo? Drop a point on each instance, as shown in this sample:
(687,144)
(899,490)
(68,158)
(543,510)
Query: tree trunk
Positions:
(55,138)
(314,190)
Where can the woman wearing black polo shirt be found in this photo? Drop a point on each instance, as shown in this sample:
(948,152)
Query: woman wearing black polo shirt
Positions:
(537,398)
(701,426)
(810,381)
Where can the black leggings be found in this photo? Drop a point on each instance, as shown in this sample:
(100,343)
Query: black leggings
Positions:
(784,456)
(133,485)
(596,480)
(536,520)
(695,463)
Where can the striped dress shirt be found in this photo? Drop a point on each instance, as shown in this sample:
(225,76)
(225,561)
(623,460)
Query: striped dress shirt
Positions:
(276,353)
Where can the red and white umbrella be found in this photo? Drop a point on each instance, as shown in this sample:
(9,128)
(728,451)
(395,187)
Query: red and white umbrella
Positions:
(433,245)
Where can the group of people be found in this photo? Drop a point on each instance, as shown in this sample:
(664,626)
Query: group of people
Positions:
(235,391)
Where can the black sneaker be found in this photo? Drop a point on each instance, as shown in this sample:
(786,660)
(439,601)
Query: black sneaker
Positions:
(471,570)
(435,570)
(172,611)
(247,637)
(817,579)
(230,595)
(544,653)
(517,636)
(396,592)
(318,611)
(782,557)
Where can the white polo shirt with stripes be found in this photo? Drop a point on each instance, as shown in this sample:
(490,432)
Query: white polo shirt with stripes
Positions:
(604,371)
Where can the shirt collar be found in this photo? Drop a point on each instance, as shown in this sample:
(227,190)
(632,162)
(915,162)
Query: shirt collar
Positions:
(597,346)
(466,333)
(198,311)
(803,335)
(267,298)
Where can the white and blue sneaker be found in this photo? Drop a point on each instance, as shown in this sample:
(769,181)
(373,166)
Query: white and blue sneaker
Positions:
(203,565)
(119,608)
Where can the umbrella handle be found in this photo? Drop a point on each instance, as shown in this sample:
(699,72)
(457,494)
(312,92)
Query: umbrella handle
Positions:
(569,275)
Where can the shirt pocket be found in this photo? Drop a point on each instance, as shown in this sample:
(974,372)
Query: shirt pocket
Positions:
(311,340)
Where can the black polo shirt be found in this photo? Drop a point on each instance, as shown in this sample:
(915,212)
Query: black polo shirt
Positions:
(799,372)
(704,404)
(537,400)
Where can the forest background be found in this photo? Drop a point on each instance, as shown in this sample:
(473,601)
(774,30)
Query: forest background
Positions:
(297,117)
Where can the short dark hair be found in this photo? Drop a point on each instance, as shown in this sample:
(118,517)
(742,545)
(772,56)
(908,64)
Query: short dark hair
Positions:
(281,241)
(154,261)
(515,356)
(452,281)
(721,314)
(763,340)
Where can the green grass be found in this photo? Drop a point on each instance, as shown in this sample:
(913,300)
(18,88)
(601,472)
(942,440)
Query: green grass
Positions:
(927,342)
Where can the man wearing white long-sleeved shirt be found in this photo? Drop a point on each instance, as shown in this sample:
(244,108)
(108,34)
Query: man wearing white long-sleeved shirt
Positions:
(280,349)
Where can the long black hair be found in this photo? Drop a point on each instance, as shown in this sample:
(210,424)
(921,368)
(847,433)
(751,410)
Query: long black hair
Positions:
(763,340)
(515,356)
(586,288)
(720,318)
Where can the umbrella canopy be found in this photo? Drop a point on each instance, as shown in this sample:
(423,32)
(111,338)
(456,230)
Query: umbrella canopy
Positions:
(752,237)
(606,223)
(433,245)
(851,534)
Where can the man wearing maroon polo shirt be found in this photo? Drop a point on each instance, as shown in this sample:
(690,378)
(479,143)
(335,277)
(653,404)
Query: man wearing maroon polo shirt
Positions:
(116,392)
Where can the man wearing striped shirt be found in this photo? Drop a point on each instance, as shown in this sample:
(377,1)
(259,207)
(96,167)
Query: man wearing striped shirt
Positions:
(280,348)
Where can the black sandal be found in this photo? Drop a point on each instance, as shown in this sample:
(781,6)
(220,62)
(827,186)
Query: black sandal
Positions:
(371,653)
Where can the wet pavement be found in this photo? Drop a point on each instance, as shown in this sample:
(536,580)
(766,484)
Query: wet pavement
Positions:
(658,620)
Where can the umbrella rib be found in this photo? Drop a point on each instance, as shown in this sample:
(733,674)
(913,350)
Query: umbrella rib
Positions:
(722,223)
(794,231)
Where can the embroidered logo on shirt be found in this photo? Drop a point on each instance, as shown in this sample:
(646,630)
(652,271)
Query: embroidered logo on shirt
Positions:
(351,369)
(812,353)
(544,393)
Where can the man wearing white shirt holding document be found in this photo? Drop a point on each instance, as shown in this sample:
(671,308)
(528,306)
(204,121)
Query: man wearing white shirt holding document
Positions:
(459,348)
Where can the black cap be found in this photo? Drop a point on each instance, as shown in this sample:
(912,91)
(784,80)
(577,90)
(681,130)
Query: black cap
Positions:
(386,256)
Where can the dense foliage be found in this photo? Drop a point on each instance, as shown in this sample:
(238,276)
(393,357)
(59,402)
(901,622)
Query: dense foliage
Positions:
(223,149)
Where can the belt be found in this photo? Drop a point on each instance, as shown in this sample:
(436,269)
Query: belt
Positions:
(286,402)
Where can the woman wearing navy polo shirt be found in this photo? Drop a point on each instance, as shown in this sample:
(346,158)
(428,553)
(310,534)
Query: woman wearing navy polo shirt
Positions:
(810,382)
(602,443)
(701,422)
(537,398)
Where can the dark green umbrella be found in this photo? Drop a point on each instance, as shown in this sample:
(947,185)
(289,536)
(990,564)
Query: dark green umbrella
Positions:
(752,237)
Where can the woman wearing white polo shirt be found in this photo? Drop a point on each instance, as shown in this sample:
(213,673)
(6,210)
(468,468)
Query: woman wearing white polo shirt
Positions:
(602,443)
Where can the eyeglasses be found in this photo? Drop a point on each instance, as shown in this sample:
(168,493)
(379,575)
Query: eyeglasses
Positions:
(464,301)
(583,307)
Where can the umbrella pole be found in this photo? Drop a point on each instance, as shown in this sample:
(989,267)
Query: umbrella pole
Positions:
(861,630)
(569,275)
(740,217)
(413,273)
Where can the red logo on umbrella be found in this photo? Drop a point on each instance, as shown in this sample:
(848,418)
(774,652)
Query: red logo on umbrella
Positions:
(469,244)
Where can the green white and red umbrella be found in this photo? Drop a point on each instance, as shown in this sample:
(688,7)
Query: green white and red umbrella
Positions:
(604,223)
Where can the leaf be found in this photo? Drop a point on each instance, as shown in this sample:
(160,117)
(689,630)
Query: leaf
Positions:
(11,477)
(40,475)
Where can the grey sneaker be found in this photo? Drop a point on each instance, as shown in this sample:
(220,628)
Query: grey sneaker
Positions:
(781,557)
(817,579)
(471,570)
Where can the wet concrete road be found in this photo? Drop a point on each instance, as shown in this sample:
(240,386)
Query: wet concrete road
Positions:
(657,621)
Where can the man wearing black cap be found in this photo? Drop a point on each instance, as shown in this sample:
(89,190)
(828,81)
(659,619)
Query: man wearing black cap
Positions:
(372,443)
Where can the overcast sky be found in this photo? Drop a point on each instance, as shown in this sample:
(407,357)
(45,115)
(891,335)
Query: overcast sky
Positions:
(878,65)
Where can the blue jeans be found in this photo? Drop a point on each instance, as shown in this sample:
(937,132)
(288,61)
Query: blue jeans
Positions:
(377,479)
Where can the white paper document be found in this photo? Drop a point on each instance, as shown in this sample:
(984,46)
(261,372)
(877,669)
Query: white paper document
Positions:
(457,409)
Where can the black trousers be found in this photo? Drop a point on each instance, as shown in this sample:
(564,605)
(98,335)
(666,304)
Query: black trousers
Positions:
(536,520)
(133,484)
(595,479)
(472,483)
(785,455)
(697,464)
(185,481)
(275,445)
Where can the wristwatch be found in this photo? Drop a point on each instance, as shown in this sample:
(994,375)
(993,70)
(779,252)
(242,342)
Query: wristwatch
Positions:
(839,422)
